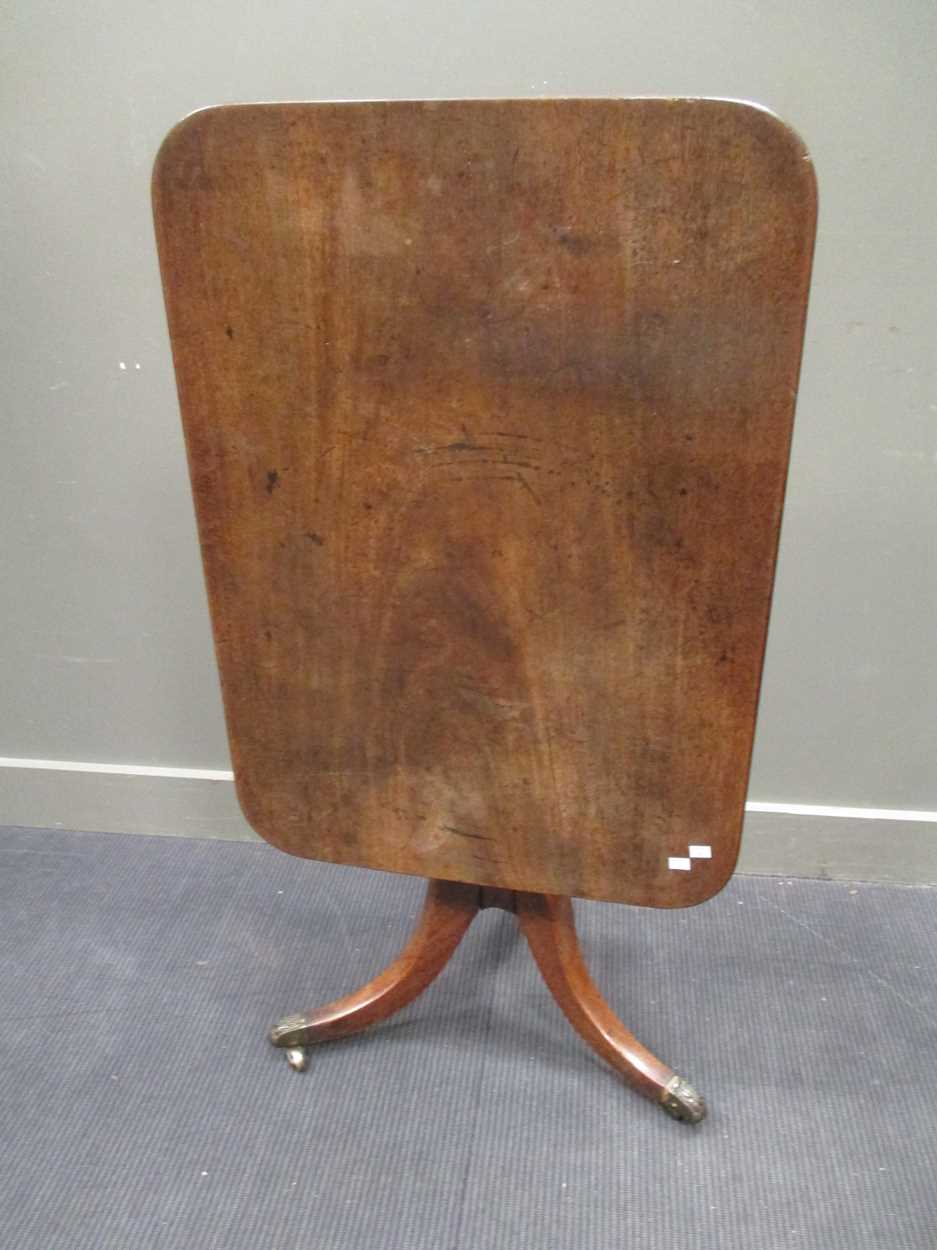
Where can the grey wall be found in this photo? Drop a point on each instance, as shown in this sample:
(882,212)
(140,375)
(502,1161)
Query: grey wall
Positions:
(105,651)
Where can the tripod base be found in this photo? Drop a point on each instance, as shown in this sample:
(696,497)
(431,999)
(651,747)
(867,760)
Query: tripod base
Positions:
(548,925)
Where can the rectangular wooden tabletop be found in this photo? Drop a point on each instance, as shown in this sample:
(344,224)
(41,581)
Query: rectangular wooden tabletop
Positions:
(488,409)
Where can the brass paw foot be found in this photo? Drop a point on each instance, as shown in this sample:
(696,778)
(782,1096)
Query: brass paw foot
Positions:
(680,1099)
(290,1031)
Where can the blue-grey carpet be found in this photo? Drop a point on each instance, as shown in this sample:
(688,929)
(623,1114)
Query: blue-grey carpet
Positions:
(141,1106)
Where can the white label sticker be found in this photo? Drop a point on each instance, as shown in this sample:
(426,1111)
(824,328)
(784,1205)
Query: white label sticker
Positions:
(701,852)
(677,861)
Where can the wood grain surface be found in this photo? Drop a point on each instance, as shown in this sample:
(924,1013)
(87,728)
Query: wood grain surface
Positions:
(488,408)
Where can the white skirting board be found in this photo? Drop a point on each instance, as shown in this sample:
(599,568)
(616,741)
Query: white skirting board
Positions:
(797,840)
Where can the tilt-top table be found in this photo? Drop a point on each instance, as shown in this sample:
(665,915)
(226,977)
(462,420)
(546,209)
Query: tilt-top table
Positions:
(488,407)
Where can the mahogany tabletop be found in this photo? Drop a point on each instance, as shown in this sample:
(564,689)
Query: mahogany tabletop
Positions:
(488,407)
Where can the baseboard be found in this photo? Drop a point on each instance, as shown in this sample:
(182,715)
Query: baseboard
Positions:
(112,798)
(892,846)
(840,848)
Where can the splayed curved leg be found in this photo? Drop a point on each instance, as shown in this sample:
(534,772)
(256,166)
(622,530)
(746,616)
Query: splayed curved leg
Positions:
(448,911)
(549,927)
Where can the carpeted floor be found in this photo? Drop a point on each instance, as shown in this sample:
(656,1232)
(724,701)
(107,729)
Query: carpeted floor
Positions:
(141,1106)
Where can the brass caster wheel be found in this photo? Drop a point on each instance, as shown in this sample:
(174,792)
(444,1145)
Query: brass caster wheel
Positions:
(298,1058)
